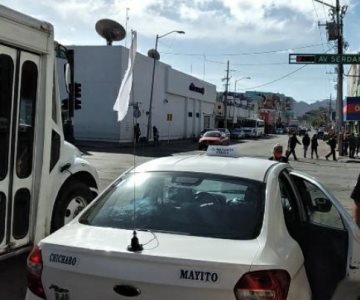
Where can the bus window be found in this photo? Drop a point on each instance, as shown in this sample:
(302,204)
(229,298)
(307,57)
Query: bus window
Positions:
(26,125)
(21,214)
(6,82)
(2,216)
(260,124)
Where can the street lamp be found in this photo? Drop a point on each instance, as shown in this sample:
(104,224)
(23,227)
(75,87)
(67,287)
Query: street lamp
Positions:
(242,78)
(246,77)
(155,55)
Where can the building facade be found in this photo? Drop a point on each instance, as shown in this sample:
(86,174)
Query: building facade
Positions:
(182,104)
(276,110)
(352,102)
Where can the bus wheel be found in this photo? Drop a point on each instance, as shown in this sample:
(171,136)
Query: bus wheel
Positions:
(71,200)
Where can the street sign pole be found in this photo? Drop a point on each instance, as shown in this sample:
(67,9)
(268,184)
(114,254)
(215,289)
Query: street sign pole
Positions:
(169,120)
(169,132)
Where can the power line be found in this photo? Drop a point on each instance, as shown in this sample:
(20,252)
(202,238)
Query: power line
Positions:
(321,37)
(243,53)
(278,79)
(282,77)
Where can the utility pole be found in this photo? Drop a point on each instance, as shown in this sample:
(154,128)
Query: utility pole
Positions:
(339,97)
(330,109)
(226,94)
(338,14)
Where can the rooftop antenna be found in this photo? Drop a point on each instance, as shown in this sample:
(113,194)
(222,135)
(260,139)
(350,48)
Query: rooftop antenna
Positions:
(110,30)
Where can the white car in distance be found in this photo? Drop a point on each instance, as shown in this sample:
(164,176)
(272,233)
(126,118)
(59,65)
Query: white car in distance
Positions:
(208,227)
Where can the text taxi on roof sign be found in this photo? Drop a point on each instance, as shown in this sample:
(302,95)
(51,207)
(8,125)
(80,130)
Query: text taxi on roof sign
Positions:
(224,151)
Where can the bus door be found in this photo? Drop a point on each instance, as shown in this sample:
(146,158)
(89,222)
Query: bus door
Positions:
(18,99)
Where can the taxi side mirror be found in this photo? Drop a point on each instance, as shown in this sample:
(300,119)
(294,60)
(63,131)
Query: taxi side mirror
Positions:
(323,205)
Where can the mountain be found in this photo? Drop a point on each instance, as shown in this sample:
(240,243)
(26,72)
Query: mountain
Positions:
(300,108)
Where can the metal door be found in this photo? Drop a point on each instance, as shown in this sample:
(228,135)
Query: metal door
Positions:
(18,99)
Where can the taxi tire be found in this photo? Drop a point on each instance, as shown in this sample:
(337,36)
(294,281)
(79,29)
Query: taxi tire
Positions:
(66,194)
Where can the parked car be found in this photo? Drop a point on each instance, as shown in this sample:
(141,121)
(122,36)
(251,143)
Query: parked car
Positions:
(320,134)
(280,130)
(302,131)
(205,130)
(293,129)
(224,130)
(213,138)
(249,132)
(204,227)
(237,133)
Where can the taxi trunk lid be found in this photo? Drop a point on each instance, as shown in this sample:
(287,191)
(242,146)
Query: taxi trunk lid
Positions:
(94,263)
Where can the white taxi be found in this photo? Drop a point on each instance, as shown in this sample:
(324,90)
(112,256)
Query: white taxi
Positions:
(203,227)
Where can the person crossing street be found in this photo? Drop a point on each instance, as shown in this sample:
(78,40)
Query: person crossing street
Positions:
(332,143)
(293,141)
(306,143)
(314,146)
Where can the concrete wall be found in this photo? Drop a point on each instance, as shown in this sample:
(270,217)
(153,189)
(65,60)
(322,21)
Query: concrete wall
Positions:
(100,70)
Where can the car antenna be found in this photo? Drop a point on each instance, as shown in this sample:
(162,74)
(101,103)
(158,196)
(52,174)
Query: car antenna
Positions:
(135,245)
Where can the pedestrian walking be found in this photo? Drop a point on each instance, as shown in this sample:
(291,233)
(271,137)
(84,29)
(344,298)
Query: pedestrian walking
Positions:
(357,144)
(355,195)
(314,146)
(156,136)
(306,143)
(332,143)
(345,144)
(278,154)
(293,141)
(137,132)
(352,145)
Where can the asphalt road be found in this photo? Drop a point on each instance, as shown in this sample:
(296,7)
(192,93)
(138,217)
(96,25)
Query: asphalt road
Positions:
(111,161)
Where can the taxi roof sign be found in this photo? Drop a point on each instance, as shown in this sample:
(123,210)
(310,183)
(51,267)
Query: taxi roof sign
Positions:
(224,151)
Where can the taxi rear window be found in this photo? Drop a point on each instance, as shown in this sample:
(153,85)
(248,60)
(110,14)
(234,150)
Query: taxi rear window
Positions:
(182,203)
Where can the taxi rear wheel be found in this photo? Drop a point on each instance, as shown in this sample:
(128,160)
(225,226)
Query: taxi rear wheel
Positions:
(71,200)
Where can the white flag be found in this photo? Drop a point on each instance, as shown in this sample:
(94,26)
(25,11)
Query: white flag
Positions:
(122,101)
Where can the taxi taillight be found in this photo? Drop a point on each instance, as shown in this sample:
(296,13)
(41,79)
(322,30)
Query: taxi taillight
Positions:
(34,271)
(267,284)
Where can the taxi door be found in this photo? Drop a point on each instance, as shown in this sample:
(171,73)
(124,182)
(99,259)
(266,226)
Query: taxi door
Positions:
(349,287)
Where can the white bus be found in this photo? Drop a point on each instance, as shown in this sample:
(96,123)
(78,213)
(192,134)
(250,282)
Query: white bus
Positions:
(44,182)
(253,127)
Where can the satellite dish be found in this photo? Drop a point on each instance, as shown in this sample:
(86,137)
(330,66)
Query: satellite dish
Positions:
(110,30)
(154,54)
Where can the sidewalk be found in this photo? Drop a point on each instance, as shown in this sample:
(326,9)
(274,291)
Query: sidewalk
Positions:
(347,159)
(112,145)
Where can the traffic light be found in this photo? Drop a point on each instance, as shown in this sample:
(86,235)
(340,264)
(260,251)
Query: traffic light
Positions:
(305,59)
(77,95)
(65,104)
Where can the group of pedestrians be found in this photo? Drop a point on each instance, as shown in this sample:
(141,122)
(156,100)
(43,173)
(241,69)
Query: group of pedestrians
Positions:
(137,134)
(306,142)
(351,145)
(293,141)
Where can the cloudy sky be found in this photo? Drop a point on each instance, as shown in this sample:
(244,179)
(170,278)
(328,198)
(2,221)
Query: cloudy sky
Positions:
(256,36)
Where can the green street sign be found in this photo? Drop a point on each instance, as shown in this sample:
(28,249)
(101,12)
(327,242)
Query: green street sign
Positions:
(348,59)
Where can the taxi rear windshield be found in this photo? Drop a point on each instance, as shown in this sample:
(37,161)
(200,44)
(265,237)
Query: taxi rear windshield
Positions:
(182,203)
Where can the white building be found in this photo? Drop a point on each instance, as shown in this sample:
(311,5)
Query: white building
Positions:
(189,101)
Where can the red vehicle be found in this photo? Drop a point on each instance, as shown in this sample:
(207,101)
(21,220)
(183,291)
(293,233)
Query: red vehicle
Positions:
(213,138)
